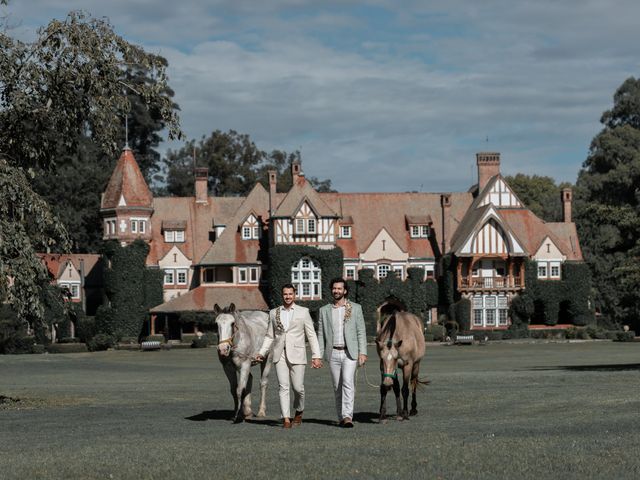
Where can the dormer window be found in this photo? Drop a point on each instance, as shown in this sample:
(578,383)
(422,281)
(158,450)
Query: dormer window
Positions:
(250,229)
(174,236)
(419,231)
(345,231)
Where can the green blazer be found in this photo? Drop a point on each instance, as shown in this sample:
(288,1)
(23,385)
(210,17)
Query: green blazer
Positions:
(355,336)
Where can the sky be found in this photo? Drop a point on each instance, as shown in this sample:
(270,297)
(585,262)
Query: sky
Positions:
(386,95)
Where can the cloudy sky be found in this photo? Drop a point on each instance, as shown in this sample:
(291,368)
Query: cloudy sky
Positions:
(387,95)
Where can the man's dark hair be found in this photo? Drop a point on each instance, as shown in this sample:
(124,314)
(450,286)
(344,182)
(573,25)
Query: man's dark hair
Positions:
(339,280)
(288,285)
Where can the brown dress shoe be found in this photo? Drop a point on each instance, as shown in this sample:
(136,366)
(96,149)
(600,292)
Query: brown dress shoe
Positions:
(347,422)
(297,420)
(286,423)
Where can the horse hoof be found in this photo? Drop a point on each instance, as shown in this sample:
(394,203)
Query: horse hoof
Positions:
(399,418)
(413,412)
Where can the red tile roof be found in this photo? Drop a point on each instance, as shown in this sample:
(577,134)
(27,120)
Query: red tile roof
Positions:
(127,181)
(203,298)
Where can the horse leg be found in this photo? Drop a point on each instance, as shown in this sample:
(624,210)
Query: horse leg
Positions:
(383,404)
(245,370)
(232,375)
(414,386)
(406,380)
(396,391)
(246,404)
(265,369)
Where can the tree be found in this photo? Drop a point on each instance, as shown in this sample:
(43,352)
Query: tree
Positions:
(235,165)
(608,207)
(74,187)
(66,85)
(540,194)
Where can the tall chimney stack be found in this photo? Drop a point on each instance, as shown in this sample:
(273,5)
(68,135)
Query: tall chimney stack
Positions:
(273,180)
(488,167)
(296,170)
(202,185)
(567,197)
(445,202)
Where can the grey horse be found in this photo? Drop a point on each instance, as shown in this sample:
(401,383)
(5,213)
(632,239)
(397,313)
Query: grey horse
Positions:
(240,336)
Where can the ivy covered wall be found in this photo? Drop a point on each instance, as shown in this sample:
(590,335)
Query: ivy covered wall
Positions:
(131,289)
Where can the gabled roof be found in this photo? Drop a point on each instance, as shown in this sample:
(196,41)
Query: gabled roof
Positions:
(475,221)
(91,262)
(418,219)
(127,182)
(202,299)
(199,218)
(370,212)
(301,191)
(230,248)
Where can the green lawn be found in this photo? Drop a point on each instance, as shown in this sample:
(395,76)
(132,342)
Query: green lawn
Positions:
(497,411)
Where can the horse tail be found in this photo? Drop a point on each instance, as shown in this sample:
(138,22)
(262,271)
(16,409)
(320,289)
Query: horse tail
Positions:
(416,382)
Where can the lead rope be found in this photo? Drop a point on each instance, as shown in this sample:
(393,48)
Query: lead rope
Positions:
(366,379)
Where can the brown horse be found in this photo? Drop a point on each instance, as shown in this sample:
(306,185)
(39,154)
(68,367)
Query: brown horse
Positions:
(400,344)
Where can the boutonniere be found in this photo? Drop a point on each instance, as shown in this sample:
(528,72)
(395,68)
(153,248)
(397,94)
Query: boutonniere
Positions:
(279,326)
(347,311)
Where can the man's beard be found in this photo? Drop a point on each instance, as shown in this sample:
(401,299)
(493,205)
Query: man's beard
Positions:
(338,296)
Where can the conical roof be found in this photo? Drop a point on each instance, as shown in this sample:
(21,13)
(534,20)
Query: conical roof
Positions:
(127,182)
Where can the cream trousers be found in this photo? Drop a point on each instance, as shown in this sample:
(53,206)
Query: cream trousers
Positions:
(343,372)
(289,376)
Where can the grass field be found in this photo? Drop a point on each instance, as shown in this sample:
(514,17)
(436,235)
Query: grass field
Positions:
(497,411)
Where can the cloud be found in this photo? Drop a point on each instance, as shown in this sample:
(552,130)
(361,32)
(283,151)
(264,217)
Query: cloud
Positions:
(386,99)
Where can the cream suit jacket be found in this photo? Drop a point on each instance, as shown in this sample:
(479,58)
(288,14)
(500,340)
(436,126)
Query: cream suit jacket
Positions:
(292,340)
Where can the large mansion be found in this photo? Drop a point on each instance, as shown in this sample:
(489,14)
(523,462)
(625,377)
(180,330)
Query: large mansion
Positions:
(215,249)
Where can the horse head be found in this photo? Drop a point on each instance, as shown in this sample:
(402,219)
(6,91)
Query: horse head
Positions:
(388,351)
(227,327)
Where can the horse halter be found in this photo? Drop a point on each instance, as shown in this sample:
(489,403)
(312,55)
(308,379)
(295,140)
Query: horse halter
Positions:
(227,340)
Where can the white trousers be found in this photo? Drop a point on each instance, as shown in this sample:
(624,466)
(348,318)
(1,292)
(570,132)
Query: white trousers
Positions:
(290,375)
(343,373)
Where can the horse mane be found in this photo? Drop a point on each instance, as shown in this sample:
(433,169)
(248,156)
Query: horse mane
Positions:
(388,328)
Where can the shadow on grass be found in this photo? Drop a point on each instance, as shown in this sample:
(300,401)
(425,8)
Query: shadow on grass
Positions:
(619,367)
(212,415)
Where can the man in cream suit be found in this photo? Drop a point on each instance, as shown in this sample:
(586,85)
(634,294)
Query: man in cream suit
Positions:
(288,326)
(343,341)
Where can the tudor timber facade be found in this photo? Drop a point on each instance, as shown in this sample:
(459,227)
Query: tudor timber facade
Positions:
(215,249)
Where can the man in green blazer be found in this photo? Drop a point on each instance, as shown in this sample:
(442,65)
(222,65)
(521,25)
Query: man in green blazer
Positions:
(343,344)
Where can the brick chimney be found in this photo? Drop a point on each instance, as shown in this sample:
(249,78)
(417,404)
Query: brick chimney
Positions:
(567,197)
(296,170)
(488,167)
(202,185)
(273,180)
(445,201)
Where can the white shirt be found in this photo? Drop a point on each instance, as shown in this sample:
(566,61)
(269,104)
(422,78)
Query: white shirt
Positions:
(337,321)
(286,316)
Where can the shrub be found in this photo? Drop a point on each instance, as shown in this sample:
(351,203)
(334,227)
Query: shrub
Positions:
(155,338)
(37,348)
(101,341)
(438,332)
(189,337)
(69,340)
(86,328)
(429,337)
(625,336)
(199,343)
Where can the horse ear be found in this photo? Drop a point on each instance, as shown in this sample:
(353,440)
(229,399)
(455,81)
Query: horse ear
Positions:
(398,343)
(216,309)
(232,308)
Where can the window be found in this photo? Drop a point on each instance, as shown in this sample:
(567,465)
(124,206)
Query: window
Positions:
(429,271)
(134,226)
(502,316)
(142,226)
(253,275)
(419,231)
(477,318)
(300,225)
(246,233)
(399,271)
(182,276)
(555,269)
(542,270)
(311,225)
(174,236)
(383,270)
(256,232)
(350,273)
(345,231)
(242,275)
(491,317)
(208,275)
(168,276)
(75,290)
(306,275)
